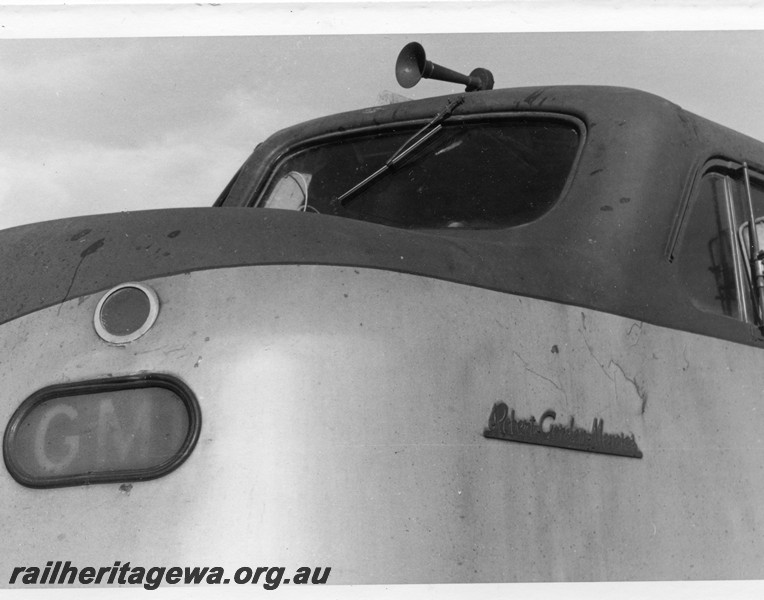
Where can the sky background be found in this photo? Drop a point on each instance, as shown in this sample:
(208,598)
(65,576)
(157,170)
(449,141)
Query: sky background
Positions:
(113,124)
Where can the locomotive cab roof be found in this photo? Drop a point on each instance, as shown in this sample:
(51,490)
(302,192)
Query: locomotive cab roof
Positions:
(604,239)
(606,236)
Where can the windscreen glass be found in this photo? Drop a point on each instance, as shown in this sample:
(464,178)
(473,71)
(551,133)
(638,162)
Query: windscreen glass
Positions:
(487,174)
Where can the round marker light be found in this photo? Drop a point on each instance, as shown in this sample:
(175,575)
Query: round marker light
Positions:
(126,312)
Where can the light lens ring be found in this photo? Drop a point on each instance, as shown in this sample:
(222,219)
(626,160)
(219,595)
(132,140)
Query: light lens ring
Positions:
(126,312)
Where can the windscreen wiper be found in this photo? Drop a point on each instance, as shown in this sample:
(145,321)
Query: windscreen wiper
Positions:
(411,144)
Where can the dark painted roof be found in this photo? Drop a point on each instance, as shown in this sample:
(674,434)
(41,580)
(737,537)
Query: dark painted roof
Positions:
(604,245)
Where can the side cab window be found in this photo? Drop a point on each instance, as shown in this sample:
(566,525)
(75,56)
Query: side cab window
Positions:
(706,252)
(713,249)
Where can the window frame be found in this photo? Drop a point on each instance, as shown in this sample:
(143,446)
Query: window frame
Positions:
(266,181)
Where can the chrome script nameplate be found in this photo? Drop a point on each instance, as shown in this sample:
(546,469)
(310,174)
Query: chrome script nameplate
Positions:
(503,425)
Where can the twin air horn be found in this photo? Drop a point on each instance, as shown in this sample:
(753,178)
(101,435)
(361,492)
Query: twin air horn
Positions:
(412,65)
